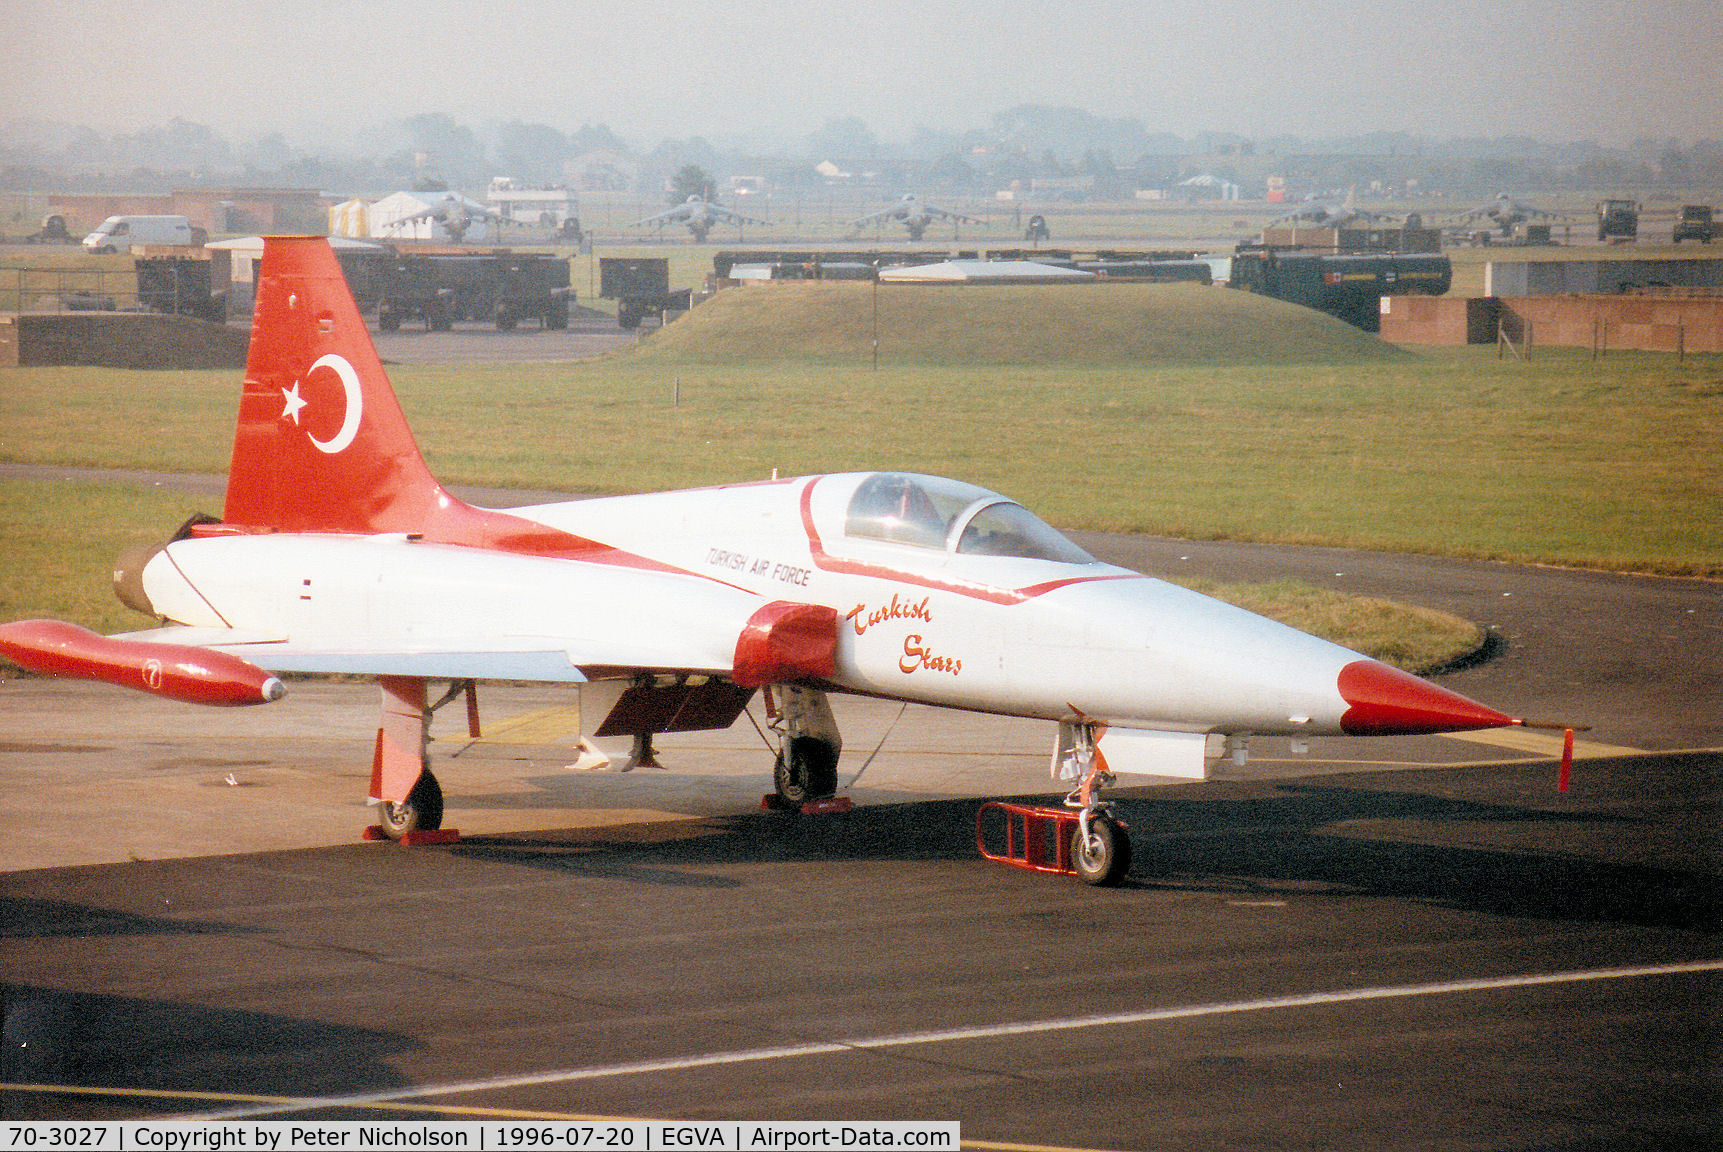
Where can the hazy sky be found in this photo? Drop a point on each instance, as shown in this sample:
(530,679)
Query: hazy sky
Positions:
(1609,70)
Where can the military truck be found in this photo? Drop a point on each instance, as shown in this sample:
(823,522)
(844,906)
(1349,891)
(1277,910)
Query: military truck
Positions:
(1349,286)
(1695,223)
(640,285)
(1617,221)
(444,288)
(184,281)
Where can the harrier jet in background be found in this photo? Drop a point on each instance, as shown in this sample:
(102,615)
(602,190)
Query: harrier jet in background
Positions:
(1325,213)
(338,551)
(699,214)
(452,215)
(1504,212)
(913,214)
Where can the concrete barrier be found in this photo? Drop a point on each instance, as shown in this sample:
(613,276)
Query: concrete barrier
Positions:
(118,340)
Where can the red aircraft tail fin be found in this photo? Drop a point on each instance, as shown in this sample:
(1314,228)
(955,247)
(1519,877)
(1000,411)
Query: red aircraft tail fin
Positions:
(322,445)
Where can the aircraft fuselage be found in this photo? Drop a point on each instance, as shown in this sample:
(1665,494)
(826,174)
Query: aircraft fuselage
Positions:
(682,572)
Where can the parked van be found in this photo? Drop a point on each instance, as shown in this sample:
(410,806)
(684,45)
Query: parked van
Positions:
(119,233)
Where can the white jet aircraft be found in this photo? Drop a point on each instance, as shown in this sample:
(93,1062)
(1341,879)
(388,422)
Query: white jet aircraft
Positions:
(339,552)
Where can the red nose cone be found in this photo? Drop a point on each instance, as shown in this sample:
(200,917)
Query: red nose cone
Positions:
(1388,702)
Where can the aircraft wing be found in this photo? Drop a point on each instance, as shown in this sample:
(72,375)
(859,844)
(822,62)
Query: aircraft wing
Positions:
(422,214)
(457,658)
(952,215)
(736,217)
(669,215)
(890,213)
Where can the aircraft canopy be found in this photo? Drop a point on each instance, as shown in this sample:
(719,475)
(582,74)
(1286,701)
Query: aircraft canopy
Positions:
(931,512)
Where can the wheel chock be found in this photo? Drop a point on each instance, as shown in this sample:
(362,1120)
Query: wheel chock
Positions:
(827,806)
(414,839)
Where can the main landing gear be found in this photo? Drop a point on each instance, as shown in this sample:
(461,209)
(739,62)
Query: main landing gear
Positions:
(421,811)
(408,798)
(806,771)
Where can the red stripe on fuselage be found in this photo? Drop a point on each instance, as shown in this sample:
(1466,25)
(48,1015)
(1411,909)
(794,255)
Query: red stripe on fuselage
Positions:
(461,525)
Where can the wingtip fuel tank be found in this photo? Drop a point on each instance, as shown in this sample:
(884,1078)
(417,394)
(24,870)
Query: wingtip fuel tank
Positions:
(177,671)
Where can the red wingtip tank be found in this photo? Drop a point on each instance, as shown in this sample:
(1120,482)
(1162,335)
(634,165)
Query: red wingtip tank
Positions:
(176,671)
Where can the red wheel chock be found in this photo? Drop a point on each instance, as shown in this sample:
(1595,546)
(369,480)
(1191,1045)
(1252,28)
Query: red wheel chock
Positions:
(414,839)
(826,806)
(1036,837)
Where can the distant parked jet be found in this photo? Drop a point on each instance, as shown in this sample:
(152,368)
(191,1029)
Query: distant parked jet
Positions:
(1325,213)
(1504,212)
(913,214)
(699,215)
(451,214)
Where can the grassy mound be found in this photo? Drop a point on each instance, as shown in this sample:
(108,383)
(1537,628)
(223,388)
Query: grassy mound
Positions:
(1065,324)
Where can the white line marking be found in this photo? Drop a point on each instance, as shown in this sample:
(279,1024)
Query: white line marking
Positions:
(978,1032)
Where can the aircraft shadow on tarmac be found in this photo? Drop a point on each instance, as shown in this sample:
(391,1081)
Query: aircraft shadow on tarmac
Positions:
(122,1042)
(1298,836)
(27,918)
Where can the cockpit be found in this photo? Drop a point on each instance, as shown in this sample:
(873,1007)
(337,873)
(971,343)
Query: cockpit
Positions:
(930,512)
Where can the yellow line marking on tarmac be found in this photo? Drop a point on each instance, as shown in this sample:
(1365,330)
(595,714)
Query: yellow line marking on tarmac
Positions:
(995,1146)
(558,725)
(1541,743)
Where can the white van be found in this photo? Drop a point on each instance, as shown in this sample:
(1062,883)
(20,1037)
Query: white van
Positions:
(119,233)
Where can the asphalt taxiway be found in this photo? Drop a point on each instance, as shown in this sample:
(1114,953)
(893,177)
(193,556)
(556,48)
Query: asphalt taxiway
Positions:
(1382,944)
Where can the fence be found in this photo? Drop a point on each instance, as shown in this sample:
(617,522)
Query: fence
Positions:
(39,289)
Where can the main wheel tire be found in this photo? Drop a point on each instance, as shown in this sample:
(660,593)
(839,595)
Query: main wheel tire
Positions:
(807,769)
(1105,857)
(422,811)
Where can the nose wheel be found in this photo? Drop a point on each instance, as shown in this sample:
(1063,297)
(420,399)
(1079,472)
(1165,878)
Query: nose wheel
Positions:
(1100,846)
(1082,839)
(1100,850)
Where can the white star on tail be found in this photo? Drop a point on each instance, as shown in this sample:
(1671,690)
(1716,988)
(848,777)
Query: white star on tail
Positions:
(294,402)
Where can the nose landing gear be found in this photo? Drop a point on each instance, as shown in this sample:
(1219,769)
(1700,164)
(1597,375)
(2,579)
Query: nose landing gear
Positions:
(1083,839)
(1100,846)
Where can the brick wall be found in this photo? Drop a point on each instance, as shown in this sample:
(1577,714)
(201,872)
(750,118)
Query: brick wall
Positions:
(1650,323)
